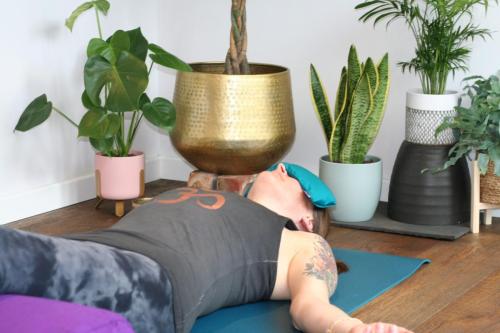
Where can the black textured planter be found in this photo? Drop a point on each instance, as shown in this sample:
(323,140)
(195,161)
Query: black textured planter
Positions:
(428,199)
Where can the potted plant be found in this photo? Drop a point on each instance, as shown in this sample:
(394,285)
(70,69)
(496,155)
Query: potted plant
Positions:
(442,30)
(354,176)
(234,117)
(115,78)
(478,128)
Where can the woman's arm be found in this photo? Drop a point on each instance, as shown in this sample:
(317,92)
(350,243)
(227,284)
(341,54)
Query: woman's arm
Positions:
(312,279)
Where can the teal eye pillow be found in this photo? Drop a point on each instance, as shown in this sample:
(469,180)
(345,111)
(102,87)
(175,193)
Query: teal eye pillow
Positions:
(315,189)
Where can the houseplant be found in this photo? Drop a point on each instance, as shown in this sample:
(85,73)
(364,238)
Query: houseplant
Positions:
(115,78)
(353,176)
(442,31)
(234,117)
(479,134)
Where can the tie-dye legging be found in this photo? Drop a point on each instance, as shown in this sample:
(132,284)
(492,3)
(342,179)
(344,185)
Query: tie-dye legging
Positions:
(87,273)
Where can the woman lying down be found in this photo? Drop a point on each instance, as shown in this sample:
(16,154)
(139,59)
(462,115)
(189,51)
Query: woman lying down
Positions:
(188,253)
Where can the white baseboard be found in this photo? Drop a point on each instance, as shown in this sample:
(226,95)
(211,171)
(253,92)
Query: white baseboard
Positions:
(72,191)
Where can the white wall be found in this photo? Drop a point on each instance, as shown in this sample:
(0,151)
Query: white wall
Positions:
(295,33)
(48,168)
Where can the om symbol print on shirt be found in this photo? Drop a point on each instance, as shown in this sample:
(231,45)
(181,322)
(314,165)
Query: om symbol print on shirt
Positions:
(189,193)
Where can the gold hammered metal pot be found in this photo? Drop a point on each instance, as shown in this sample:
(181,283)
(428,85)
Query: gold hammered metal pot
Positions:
(233,124)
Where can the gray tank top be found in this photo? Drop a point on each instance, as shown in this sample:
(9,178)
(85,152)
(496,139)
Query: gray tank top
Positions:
(219,249)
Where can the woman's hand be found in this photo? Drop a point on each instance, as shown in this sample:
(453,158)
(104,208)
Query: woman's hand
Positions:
(378,328)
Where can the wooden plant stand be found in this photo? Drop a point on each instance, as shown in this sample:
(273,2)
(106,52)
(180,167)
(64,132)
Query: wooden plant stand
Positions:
(119,204)
(476,204)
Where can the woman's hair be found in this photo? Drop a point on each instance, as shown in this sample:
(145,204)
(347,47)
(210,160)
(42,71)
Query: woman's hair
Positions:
(321,224)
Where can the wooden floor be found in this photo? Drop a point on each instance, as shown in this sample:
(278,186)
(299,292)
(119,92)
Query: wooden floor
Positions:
(458,292)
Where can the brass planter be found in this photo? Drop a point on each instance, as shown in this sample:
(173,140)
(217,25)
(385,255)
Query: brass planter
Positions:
(233,124)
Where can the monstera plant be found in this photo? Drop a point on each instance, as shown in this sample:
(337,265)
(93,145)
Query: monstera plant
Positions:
(354,177)
(116,76)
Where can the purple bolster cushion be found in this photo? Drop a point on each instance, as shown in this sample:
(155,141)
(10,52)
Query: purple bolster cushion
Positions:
(25,314)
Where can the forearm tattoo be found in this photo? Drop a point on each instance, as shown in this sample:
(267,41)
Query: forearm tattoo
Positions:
(322,265)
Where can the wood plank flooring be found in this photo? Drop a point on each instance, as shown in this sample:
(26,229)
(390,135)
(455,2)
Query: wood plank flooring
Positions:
(458,292)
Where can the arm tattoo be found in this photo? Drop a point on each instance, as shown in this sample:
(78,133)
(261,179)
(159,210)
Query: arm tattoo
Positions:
(322,265)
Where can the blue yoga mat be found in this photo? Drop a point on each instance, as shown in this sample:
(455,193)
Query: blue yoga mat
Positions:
(370,275)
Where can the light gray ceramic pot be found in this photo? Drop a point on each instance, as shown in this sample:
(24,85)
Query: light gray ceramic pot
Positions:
(356,187)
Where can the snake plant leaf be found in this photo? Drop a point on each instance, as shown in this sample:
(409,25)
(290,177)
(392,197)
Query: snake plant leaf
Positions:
(35,113)
(105,146)
(372,72)
(138,43)
(127,80)
(373,120)
(160,112)
(353,70)
(320,101)
(163,58)
(341,97)
(99,125)
(362,102)
(341,113)
(100,5)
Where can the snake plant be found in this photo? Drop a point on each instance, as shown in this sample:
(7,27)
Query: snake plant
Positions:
(359,108)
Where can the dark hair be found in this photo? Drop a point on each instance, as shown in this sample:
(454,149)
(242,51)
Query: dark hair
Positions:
(321,224)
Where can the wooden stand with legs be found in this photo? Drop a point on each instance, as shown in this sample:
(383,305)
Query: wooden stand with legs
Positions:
(119,204)
(476,204)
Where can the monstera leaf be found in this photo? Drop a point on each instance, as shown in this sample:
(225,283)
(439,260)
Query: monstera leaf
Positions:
(160,112)
(162,57)
(100,5)
(35,113)
(99,125)
(138,43)
(126,79)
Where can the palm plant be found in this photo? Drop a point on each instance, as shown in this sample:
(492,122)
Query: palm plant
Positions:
(441,28)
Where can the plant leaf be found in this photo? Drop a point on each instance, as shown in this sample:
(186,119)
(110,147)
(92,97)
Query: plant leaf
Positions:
(362,103)
(143,100)
(102,6)
(96,46)
(138,43)
(320,101)
(127,80)
(482,162)
(70,21)
(103,145)
(162,57)
(99,125)
(160,112)
(35,113)
(341,112)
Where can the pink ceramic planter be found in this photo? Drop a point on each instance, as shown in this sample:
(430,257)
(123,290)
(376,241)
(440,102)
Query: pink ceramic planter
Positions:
(120,178)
